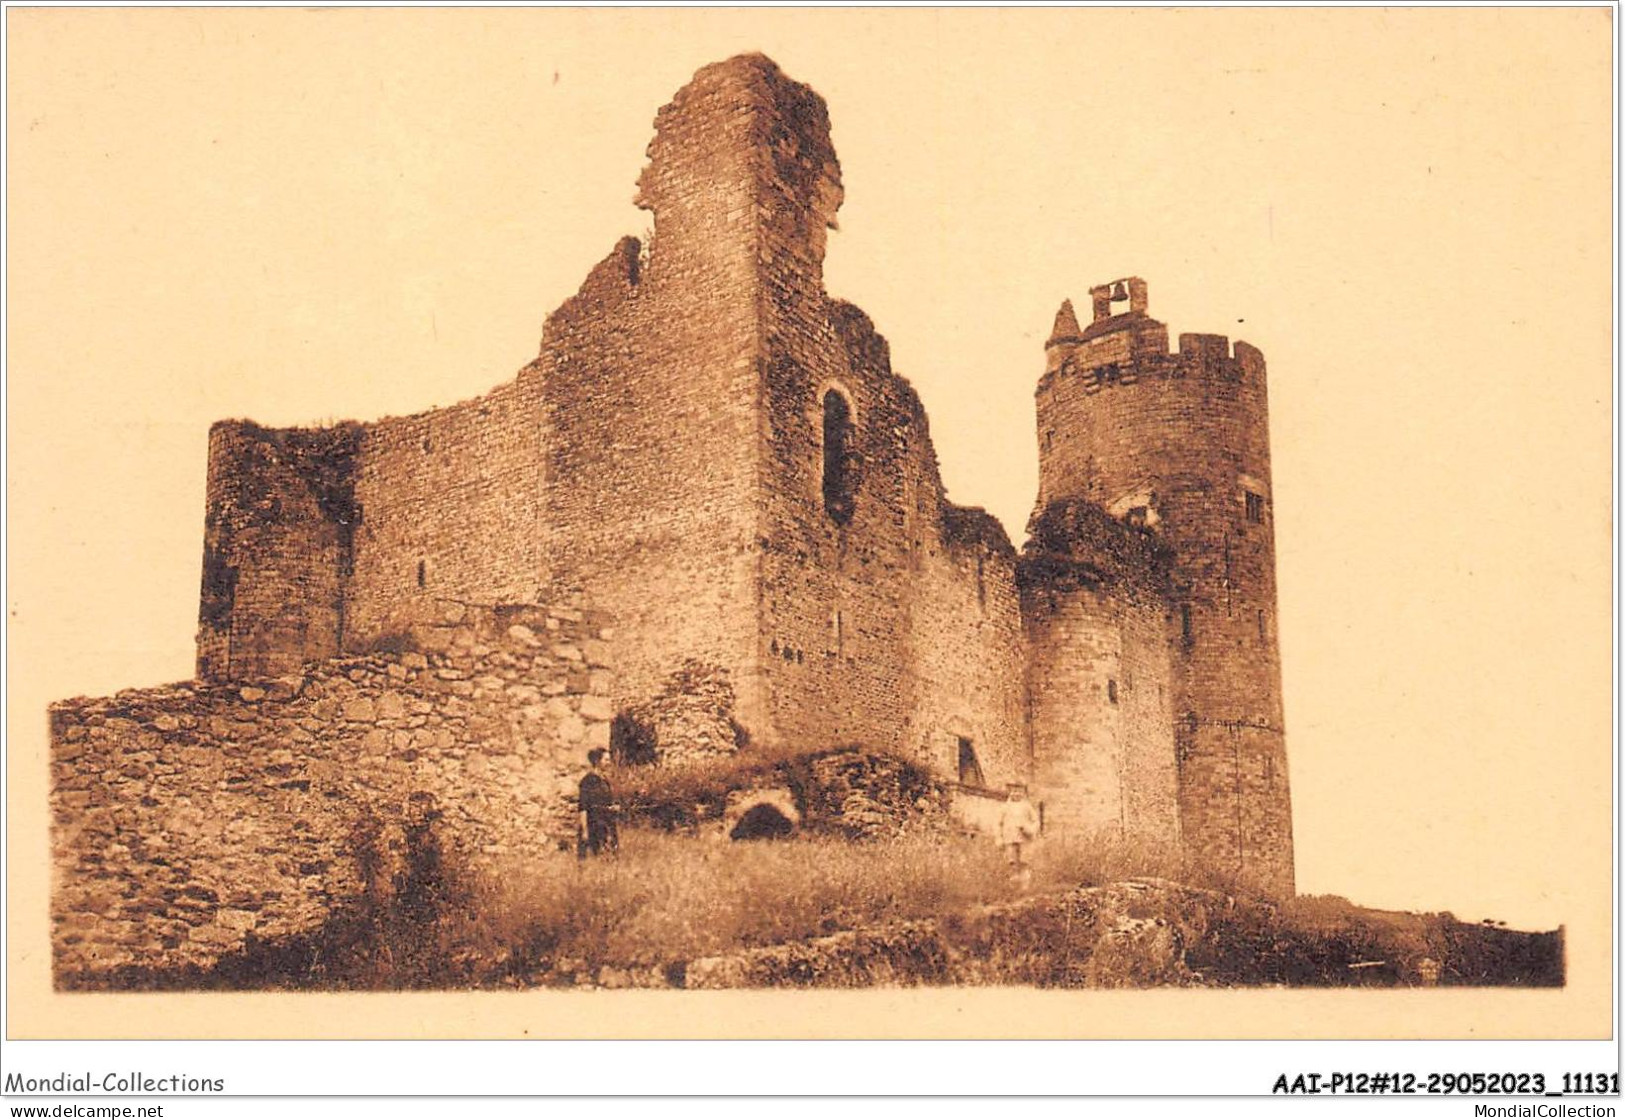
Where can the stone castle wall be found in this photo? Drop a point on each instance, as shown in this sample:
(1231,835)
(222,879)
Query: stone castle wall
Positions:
(448,504)
(836,597)
(833,561)
(1100,679)
(321,540)
(718,454)
(888,614)
(650,389)
(969,653)
(664,455)
(189,819)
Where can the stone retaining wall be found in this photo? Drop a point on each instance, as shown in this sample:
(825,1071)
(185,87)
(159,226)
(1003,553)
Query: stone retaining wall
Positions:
(192,818)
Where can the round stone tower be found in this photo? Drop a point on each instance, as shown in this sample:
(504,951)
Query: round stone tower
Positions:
(1177,444)
(1094,610)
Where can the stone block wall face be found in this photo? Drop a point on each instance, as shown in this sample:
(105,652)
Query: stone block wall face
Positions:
(1101,762)
(187,819)
(650,393)
(278,545)
(1099,676)
(1146,696)
(968,655)
(835,598)
(880,626)
(891,630)
(831,609)
(449,505)
(329,538)
(1186,435)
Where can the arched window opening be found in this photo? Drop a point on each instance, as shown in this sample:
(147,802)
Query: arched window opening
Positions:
(839,483)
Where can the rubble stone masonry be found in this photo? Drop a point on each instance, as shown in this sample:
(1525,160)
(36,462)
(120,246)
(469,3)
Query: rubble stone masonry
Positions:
(188,818)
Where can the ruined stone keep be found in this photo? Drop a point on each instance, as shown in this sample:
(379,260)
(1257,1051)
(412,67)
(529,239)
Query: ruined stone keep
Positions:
(712,466)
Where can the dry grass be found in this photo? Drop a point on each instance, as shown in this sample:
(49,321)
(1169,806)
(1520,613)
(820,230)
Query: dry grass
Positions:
(1107,857)
(667,898)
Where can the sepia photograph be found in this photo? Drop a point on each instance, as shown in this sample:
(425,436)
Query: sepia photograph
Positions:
(1007,509)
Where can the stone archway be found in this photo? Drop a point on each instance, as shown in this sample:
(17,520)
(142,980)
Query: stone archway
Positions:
(760,814)
(762,822)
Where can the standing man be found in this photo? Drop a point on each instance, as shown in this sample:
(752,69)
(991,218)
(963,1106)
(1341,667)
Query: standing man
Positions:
(595,825)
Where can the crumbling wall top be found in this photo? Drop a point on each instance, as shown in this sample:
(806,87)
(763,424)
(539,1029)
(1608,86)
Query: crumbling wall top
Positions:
(744,118)
(973,525)
(1073,537)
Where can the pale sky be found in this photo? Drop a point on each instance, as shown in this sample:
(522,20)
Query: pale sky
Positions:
(297,216)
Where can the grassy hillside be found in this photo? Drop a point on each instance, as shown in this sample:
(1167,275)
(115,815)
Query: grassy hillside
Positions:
(876,886)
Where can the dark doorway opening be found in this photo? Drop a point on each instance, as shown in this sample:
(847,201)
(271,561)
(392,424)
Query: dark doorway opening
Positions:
(970,767)
(632,742)
(762,822)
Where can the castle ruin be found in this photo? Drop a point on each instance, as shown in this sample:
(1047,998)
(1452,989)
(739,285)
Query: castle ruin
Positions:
(714,462)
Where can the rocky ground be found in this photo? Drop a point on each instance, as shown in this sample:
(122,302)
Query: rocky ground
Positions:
(1139,933)
(1133,934)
